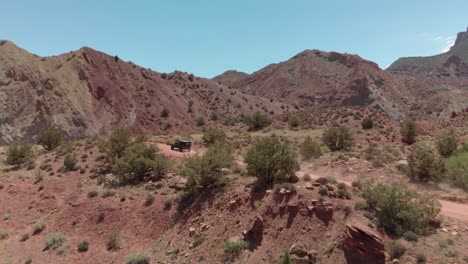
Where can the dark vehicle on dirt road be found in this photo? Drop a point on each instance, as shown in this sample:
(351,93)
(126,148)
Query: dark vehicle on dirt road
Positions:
(181,145)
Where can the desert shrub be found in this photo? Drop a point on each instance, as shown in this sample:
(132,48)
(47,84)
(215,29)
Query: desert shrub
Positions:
(3,234)
(38,177)
(108,193)
(137,258)
(139,162)
(54,240)
(410,236)
(457,169)
(199,121)
(119,140)
(398,209)
(310,149)
(420,258)
(212,135)
(343,192)
(50,138)
(19,153)
(149,199)
(204,172)
(423,165)
(322,180)
(257,121)
(450,252)
(198,241)
(113,241)
(46,167)
(69,162)
(271,161)
(38,227)
(367,123)
(347,210)
(357,184)
(28,260)
(447,143)
(234,248)
(285,258)
(337,138)
(164,75)
(164,112)
(294,121)
(83,246)
(396,249)
(408,132)
(93,193)
(167,203)
(24,237)
(101,217)
(307,177)
(323,190)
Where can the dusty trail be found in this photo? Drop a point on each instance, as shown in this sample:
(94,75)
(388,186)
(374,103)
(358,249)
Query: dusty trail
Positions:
(451,209)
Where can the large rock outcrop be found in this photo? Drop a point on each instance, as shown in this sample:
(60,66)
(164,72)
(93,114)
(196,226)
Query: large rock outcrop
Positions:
(363,245)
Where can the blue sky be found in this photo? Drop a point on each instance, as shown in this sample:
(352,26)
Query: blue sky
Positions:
(208,37)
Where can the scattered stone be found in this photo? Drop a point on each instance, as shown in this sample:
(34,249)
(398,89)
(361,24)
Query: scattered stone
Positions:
(151,186)
(177,182)
(300,255)
(308,186)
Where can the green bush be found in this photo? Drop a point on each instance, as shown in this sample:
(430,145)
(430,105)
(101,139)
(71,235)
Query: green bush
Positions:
(54,240)
(164,112)
(420,258)
(19,153)
(447,143)
(204,172)
(337,138)
(310,149)
(234,248)
(119,141)
(50,138)
(285,258)
(423,166)
(396,250)
(212,135)
(83,246)
(457,169)
(398,209)
(257,121)
(137,258)
(294,121)
(367,123)
(200,121)
(69,162)
(113,241)
(93,193)
(408,132)
(3,234)
(38,227)
(271,161)
(149,199)
(410,236)
(24,237)
(139,162)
